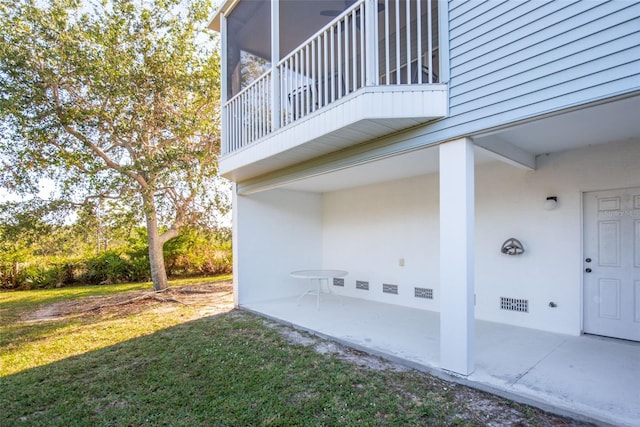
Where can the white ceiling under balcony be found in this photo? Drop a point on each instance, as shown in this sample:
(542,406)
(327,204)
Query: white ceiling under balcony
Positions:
(608,122)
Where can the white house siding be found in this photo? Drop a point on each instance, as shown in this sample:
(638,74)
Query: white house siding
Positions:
(367,230)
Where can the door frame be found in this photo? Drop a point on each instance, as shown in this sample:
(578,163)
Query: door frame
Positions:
(582,252)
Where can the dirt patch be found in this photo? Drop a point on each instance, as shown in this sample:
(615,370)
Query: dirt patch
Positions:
(323,346)
(210,298)
(477,407)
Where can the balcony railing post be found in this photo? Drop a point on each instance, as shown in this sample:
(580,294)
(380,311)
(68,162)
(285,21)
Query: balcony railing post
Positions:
(371,35)
(275,60)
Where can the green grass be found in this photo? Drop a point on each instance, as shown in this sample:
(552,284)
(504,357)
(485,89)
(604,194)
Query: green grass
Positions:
(232,369)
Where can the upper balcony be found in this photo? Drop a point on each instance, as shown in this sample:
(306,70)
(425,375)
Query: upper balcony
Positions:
(345,72)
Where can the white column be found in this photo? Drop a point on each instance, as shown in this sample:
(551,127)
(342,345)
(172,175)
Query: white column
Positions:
(234,243)
(457,335)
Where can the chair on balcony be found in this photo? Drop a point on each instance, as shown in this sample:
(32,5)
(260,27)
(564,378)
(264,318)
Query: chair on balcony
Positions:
(302,101)
(308,98)
(332,83)
(425,74)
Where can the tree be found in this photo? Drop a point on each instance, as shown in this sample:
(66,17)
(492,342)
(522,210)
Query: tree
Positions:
(116,100)
(27,230)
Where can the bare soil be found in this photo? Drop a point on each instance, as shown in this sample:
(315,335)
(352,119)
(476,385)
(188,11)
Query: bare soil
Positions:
(210,298)
(216,298)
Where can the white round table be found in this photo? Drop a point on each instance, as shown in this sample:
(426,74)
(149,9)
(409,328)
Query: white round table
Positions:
(319,276)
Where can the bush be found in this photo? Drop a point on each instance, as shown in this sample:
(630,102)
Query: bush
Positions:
(197,253)
(46,273)
(192,253)
(108,267)
(35,276)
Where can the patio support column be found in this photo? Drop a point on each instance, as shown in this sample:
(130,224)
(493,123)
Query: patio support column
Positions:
(234,244)
(457,201)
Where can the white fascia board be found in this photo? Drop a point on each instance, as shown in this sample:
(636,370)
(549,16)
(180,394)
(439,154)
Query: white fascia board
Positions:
(225,9)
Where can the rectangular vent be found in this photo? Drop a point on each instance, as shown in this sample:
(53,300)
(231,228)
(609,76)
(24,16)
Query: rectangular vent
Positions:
(361,284)
(338,282)
(423,293)
(390,289)
(514,304)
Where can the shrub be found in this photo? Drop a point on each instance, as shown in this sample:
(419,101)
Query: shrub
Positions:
(190,254)
(195,252)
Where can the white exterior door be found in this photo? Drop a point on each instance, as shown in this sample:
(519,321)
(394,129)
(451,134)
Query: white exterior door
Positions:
(612,263)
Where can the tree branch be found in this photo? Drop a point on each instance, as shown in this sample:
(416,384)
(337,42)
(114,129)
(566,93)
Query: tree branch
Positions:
(87,142)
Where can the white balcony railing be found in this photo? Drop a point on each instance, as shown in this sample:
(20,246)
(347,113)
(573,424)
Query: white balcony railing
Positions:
(247,116)
(392,45)
(327,67)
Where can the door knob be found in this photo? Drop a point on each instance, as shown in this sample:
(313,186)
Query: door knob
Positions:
(588,270)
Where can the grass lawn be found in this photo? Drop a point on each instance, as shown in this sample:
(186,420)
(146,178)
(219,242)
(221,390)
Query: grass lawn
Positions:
(169,363)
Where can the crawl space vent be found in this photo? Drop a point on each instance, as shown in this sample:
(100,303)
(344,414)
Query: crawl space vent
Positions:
(390,289)
(426,293)
(338,282)
(361,284)
(514,304)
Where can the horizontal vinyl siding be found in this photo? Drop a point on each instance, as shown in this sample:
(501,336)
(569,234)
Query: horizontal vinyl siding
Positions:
(512,60)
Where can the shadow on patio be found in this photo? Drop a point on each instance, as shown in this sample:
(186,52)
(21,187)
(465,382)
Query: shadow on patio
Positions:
(585,377)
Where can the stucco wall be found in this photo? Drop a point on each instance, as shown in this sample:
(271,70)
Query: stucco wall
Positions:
(275,232)
(367,230)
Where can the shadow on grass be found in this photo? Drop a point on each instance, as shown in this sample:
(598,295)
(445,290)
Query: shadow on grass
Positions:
(58,322)
(228,369)
(20,332)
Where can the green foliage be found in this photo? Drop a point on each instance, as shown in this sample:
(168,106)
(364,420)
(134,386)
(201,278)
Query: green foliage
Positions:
(111,267)
(114,100)
(197,252)
(194,253)
(36,275)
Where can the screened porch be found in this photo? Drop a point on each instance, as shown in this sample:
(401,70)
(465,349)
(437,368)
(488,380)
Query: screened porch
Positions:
(290,62)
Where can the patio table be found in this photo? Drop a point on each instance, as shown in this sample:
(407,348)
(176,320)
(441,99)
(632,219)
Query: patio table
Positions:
(319,276)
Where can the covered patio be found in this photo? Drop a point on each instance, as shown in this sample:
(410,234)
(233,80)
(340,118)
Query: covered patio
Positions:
(586,377)
(420,232)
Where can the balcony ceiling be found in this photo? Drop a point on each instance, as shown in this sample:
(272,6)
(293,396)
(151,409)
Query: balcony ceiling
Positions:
(303,18)
(608,122)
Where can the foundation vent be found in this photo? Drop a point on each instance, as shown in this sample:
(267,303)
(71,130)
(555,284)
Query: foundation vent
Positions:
(390,289)
(514,304)
(426,293)
(361,284)
(338,282)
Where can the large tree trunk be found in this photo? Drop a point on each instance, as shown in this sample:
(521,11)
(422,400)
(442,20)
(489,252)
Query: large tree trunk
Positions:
(156,257)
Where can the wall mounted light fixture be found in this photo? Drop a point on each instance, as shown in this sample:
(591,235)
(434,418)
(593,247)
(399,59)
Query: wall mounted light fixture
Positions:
(551,203)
